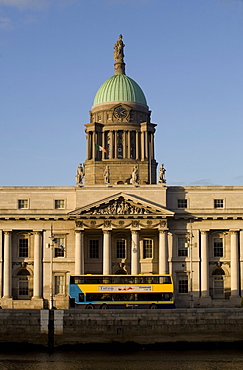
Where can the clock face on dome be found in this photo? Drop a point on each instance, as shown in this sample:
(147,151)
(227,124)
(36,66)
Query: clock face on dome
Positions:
(120,112)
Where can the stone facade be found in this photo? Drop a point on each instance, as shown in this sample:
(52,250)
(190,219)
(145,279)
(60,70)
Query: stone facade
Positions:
(119,219)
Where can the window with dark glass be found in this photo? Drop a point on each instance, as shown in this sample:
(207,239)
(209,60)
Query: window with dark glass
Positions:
(147,248)
(94,248)
(24,288)
(133,144)
(59,204)
(59,247)
(121,248)
(119,144)
(183,284)
(218,203)
(23,203)
(182,203)
(59,284)
(218,247)
(182,247)
(23,247)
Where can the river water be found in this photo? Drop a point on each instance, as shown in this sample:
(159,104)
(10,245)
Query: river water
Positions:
(224,359)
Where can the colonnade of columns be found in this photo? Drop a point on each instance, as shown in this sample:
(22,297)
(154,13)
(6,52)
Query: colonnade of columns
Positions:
(235,265)
(134,144)
(135,259)
(135,254)
(7,265)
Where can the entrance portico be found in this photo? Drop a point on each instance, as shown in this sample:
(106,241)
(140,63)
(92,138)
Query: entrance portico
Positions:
(124,232)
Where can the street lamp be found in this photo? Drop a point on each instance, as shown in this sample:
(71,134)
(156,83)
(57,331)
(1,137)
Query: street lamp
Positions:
(51,270)
(191,271)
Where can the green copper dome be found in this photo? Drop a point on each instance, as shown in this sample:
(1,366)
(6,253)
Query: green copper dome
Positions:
(120,88)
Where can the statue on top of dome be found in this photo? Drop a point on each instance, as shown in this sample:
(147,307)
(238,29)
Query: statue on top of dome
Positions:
(119,50)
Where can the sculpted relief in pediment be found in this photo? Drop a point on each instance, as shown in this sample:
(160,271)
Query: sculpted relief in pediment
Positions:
(120,207)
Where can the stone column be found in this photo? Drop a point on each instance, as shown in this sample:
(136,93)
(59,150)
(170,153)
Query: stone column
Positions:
(93,143)
(106,252)
(7,266)
(115,144)
(137,145)
(37,265)
(129,144)
(205,299)
(79,252)
(142,146)
(124,144)
(135,252)
(111,137)
(103,144)
(146,145)
(87,146)
(152,146)
(235,283)
(163,252)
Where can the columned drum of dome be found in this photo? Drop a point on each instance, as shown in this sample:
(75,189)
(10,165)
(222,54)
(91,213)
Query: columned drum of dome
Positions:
(120,136)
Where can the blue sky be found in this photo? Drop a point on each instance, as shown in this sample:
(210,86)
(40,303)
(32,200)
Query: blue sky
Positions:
(187,56)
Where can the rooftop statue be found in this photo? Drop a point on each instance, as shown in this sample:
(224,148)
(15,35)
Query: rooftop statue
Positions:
(80,175)
(119,55)
(118,50)
(162,174)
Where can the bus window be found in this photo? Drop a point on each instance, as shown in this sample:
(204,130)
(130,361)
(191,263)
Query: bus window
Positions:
(165,280)
(81,297)
(114,280)
(106,280)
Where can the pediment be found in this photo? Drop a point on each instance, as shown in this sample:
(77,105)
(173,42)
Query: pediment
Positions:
(122,204)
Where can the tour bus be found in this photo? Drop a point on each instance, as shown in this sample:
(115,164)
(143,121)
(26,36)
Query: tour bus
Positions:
(121,291)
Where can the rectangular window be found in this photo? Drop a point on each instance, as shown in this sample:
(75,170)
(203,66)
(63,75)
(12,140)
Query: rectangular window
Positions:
(218,248)
(182,247)
(23,247)
(59,247)
(183,284)
(23,204)
(182,203)
(24,288)
(218,203)
(94,248)
(59,204)
(121,248)
(59,284)
(147,248)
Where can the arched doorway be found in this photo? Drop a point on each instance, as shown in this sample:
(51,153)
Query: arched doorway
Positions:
(23,276)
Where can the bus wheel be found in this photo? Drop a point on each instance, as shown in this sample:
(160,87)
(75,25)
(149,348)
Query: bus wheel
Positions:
(104,307)
(89,307)
(153,306)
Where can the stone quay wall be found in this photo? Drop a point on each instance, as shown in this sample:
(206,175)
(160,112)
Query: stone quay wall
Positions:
(70,327)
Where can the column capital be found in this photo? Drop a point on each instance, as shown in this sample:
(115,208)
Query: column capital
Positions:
(7,232)
(37,232)
(78,230)
(106,230)
(135,231)
(234,231)
(204,231)
(163,231)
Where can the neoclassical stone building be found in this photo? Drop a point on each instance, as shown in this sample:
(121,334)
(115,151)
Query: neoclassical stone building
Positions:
(121,217)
